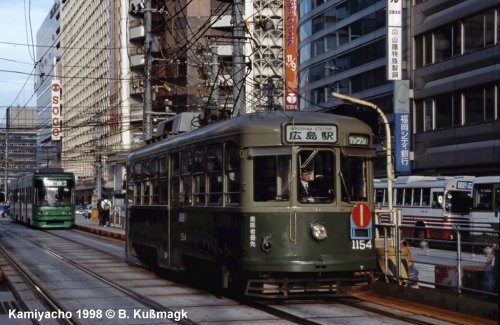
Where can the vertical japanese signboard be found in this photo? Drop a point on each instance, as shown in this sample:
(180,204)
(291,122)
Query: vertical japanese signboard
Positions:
(402,130)
(291,80)
(55,102)
(394,39)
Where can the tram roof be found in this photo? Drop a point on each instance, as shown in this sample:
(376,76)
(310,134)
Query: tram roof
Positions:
(255,123)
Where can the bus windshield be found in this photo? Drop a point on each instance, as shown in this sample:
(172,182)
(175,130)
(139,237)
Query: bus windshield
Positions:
(53,192)
(458,202)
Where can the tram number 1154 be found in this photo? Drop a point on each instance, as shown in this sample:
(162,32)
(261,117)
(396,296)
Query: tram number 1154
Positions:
(361,244)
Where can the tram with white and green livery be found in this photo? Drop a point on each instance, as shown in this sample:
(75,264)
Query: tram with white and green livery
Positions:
(224,199)
(44,199)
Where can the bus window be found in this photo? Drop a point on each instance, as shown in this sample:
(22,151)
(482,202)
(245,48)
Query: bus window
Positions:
(417,196)
(399,196)
(437,200)
(426,196)
(408,196)
(483,197)
(380,198)
(271,175)
(458,202)
(319,165)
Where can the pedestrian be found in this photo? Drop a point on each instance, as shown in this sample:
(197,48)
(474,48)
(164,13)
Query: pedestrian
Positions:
(490,269)
(103,209)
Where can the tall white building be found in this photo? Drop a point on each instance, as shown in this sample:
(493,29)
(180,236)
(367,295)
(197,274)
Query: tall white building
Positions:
(95,98)
(48,47)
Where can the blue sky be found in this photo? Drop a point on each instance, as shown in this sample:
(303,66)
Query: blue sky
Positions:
(16,57)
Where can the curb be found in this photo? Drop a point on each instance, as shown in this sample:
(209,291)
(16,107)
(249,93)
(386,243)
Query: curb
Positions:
(101,232)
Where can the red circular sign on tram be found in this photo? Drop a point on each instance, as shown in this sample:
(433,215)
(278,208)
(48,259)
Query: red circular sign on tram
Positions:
(361,215)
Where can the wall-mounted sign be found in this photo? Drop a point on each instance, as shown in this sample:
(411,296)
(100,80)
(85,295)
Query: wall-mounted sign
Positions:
(56,110)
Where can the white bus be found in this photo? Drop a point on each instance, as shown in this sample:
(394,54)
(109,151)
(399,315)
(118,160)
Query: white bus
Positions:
(431,206)
(485,212)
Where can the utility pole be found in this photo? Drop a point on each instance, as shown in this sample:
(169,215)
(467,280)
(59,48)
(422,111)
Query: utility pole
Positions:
(270,93)
(148,102)
(215,75)
(238,57)
(98,162)
(6,159)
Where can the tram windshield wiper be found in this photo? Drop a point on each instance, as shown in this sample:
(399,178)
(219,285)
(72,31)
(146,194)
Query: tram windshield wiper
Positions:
(344,185)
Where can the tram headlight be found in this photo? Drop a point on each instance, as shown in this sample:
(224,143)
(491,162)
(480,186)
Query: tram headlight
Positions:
(318,231)
(267,243)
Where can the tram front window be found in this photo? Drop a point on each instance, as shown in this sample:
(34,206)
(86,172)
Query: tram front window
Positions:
(354,178)
(53,193)
(271,174)
(316,176)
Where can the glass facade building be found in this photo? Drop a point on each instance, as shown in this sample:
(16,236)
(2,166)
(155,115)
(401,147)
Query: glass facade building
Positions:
(450,57)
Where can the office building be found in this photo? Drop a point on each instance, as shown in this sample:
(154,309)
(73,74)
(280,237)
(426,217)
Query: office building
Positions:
(450,53)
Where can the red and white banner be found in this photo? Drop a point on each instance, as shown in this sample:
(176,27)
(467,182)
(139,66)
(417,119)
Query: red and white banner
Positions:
(291,56)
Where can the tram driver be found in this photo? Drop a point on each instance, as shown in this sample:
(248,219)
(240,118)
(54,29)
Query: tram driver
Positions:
(305,189)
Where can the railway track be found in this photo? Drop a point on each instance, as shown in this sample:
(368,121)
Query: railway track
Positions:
(95,277)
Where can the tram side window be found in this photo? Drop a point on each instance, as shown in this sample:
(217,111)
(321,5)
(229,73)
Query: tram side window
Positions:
(155,180)
(232,195)
(163,186)
(354,174)
(271,174)
(214,175)
(136,178)
(175,181)
(146,182)
(199,176)
(186,187)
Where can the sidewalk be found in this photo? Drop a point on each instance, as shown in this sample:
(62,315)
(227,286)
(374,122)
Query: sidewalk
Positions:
(92,226)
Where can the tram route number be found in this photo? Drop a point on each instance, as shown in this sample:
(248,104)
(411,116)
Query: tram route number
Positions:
(361,244)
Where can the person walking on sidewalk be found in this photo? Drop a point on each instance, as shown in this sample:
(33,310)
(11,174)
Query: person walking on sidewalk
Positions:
(103,209)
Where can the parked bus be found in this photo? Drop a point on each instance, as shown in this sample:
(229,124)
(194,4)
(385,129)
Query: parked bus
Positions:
(44,199)
(430,206)
(485,214)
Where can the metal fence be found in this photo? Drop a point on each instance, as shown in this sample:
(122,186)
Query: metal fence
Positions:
(467,263)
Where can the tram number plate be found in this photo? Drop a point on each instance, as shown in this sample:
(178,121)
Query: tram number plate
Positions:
(361,244)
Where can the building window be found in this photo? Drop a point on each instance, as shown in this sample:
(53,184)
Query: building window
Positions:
(473,36)
(474,105)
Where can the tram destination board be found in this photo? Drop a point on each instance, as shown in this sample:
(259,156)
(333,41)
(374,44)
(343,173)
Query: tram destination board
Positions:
(306,133)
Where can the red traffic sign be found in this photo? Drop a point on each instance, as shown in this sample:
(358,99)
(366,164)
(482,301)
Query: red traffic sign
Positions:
(361,215)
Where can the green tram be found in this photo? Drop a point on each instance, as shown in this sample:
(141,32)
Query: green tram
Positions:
(222,203)
(44,199)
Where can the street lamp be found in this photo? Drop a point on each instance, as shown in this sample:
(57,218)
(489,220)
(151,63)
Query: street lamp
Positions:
(388,148)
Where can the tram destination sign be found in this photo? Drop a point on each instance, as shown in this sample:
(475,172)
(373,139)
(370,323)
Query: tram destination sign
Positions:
(307,133)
